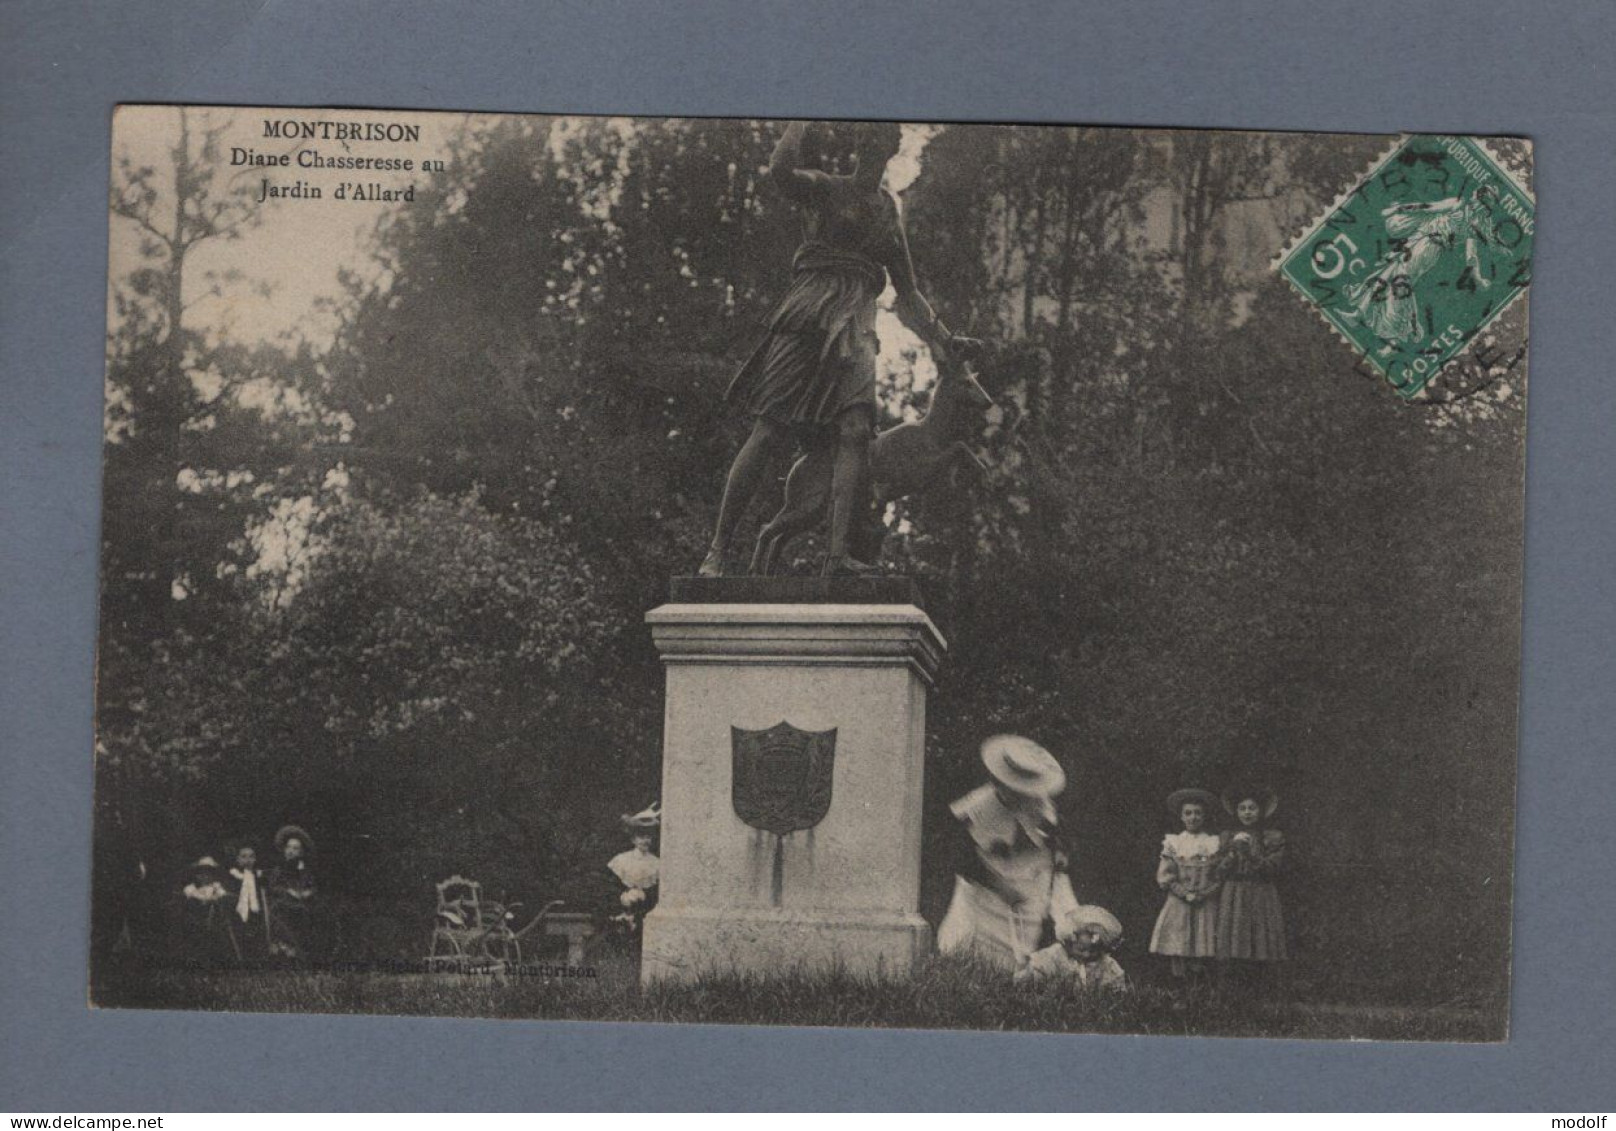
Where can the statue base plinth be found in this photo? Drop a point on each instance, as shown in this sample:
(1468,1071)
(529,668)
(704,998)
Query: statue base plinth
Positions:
(843,894)
(685,944)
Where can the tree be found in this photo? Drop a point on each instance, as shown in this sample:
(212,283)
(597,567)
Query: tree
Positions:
(427,673)
(199,445)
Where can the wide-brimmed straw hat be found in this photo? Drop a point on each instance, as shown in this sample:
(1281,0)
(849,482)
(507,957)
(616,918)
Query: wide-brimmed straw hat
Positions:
(1261,794)
(1179,798)
(1088,916)
(292,832)
(1022,766)
(646,820)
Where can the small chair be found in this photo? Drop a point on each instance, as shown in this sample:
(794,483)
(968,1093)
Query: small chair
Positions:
(473,931)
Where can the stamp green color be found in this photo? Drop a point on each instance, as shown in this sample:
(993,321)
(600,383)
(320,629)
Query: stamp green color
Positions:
(1418,258)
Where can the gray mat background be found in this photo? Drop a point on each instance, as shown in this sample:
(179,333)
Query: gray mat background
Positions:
(1540,68)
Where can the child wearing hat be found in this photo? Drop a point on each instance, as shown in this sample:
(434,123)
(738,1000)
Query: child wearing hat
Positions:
(1188,871)
(203,910)
(1081,953)
(291,891)
(1009,867)
(1250,923)
(206,887)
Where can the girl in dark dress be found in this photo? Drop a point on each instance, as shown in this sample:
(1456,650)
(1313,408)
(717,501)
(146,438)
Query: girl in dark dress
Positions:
(291,893)
(1251,924)
(813,375)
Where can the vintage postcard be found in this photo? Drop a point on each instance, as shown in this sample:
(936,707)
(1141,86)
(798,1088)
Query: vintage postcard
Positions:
(811,573)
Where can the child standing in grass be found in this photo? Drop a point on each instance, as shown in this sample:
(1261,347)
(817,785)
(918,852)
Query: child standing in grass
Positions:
(1188,871)
(204,900)
(291,891)
(1081,953)
(1250,923)
(249,904)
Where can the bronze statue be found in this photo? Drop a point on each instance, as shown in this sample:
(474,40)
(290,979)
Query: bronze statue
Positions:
(904,459)
(813,375)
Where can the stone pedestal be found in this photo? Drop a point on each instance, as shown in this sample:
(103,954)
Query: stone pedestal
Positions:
(744,655)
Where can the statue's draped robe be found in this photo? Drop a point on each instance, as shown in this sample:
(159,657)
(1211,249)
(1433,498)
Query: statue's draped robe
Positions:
(818,359)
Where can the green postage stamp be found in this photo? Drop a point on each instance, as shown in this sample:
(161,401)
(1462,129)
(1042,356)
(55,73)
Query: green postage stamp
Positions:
(1419,257)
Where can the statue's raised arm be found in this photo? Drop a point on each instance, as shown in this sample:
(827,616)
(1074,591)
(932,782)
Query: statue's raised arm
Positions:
(912,308)
(786,171)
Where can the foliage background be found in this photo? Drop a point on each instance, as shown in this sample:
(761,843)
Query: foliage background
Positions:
(388,583)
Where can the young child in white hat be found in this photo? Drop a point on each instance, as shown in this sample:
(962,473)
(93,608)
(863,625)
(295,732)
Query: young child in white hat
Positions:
(1081,953)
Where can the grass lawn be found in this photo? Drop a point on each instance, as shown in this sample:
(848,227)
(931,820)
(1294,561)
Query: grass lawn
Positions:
(946,993)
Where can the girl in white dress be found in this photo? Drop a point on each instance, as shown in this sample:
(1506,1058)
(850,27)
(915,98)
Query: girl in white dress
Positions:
(1188,871)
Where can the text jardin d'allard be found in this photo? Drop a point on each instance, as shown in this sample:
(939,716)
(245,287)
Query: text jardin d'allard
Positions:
(315,161)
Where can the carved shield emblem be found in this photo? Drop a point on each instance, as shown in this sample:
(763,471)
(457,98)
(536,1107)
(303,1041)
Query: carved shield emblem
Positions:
(782,776)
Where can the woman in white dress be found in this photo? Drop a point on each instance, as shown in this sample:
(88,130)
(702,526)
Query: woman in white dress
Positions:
(1009,867)
(638,870)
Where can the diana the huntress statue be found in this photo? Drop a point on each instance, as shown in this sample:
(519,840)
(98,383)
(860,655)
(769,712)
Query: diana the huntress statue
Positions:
(813,375)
